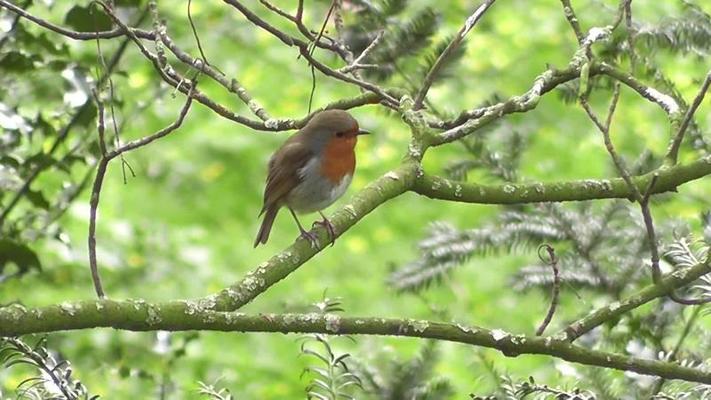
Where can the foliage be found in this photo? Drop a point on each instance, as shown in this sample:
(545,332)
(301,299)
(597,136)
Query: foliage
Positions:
(408,48)
(178,229)
(53,379)
(331,378)
(407,379)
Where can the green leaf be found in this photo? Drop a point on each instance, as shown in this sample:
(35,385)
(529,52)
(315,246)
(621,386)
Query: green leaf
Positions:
(18,254)
(15,61)
(37,199)
(88,19)
(88,114)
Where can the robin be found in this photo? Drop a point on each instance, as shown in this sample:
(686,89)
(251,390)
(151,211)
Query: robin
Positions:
(310,171)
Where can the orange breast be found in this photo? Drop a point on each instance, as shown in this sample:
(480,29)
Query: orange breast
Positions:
(338,158)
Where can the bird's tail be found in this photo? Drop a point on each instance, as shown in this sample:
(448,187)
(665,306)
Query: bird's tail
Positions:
(266,227)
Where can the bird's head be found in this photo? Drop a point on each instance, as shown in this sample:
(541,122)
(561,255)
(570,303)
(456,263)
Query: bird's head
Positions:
(333,129)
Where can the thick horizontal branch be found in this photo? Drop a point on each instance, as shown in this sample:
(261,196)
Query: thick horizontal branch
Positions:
(388,186)
(666,285)
(182,316)
(668,179)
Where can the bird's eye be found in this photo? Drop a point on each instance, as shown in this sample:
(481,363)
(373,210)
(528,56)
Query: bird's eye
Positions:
(339,134)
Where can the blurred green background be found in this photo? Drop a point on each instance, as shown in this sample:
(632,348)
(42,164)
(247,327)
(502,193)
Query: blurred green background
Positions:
(184,226)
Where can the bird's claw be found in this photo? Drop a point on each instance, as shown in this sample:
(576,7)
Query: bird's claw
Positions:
(311,237)
(329,228)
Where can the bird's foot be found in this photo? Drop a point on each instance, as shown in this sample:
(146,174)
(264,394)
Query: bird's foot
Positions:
(311,237)
(329,228)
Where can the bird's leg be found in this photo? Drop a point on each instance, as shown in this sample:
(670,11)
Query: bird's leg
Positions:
(311,237)
(329,227)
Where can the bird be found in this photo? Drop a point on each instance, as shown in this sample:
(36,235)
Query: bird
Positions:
(310,171)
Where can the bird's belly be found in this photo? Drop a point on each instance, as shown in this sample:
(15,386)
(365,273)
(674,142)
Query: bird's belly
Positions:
(316,192)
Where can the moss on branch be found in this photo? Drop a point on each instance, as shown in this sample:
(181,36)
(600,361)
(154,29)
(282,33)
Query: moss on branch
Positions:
(588,189)
(183,315)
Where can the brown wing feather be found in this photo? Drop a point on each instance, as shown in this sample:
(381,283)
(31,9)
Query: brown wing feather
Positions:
(283,171)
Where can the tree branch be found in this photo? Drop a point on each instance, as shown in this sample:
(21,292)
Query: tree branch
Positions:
(673,152)
(101,172)
(74,34)
(589,189)
(552,260)
(385,188)
(181,316)
(664,287)
(572,20)
(304,51)
(451,47)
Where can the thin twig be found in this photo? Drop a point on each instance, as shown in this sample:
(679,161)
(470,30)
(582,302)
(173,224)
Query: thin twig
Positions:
(642,199)
(572,20)
(448,51)
(671,356)
(358,61)
(297,20)
(627,4)
(323,26)
(70,33)
(651,234)
(673,153)
(195,34)
(300,11)
(278,10)
(93,205)
(7,35)
(98,181)
(112,98)
(387,99)
(304,50)
(157,29)
(604,128)
(552,260)
(303,46)
(313,48)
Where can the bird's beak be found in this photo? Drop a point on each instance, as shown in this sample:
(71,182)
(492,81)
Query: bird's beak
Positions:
(363,132)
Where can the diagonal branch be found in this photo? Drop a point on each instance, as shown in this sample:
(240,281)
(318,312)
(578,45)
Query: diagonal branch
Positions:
(449,50)
(74,34)
(572,20)
(664,287)
(385,188)
(673,153)
(304,51)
